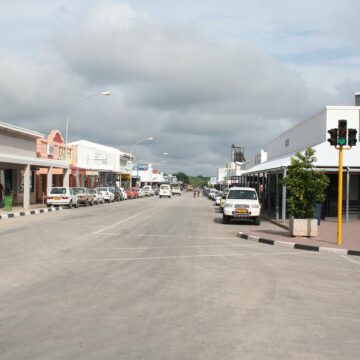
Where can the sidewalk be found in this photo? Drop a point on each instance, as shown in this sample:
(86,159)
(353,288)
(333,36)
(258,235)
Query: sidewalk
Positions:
(327,235)
(18,211)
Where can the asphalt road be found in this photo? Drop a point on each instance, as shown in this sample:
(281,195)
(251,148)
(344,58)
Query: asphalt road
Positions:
(165,279)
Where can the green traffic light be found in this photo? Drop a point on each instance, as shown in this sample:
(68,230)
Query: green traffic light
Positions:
(342,142)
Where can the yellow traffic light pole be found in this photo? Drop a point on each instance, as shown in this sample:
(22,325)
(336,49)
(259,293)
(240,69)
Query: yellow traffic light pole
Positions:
(340,194)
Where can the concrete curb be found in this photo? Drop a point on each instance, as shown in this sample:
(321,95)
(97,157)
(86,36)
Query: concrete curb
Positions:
(29,212)
(299,246)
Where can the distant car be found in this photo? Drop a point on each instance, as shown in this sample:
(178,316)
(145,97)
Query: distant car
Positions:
(165,191)
(189,188)
(84,197)
(97,195)
(123,192)
(148,190)
(218,196)
(242,202)
(117,193)
(141,192)
(176,190)
(107,194)
(135,193)
(62,196)
(130,194)
(212,194)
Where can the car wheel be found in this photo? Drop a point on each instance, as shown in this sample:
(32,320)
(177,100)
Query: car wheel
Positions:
(257,220)
(70,204)
(226,219)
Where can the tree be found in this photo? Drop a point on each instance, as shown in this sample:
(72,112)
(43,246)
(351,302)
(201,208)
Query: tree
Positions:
(182,177)
(305,186)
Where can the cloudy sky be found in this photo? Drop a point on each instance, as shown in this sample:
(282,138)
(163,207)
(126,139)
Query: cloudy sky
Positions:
(197,75)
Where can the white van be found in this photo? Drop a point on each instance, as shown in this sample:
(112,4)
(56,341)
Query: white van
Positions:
(242,202)
(165,190)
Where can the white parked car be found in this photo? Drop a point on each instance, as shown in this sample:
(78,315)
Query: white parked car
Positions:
(62,196)
(124,194)
(107,194)
(218,196)
(148,190)
(165,191)
(212,194)
(141,192)
(175,190)
(97,195)
(242,202)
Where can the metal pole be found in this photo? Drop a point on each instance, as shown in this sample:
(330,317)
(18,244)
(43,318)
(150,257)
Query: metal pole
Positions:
(68,117)
(268,190)
(283,210)
(347,194)
(340,197)
(277,197)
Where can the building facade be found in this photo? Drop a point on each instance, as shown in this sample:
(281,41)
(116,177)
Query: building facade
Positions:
(19,163)
(313,132)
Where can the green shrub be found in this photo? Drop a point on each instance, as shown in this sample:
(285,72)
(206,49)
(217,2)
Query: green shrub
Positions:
(305,186)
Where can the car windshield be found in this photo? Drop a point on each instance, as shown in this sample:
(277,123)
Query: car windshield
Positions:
(102,189)
(242,194)
(164,187)
(92,191)
(78,190)
(58,191)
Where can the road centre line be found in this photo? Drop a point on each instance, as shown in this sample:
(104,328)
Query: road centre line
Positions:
(349,259)
(127,219)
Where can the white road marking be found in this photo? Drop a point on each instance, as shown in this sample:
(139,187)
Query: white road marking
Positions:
(127,219)
(189,236)
(168,257)
(349,259)
(126,248)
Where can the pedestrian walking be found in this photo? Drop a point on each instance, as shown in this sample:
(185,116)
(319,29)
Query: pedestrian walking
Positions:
(198,192)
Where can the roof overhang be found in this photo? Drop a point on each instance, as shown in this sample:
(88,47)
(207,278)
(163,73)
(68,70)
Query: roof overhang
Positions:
(27,160)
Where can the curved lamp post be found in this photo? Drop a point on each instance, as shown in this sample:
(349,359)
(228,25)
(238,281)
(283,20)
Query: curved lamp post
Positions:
(131,154)
(72,109)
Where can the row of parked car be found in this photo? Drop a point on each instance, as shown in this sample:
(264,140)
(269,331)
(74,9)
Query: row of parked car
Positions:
(236,203)
(76,196)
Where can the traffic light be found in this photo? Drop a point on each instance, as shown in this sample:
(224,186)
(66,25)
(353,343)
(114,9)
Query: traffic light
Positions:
(333,137)
(342,132)
(352,140)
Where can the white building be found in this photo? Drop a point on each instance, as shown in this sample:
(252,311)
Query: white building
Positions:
(145,174)
(266,176)
(97,164)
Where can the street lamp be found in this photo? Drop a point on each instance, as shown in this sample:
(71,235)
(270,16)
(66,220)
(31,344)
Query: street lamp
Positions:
(131,155)
(138,142)
(106,93)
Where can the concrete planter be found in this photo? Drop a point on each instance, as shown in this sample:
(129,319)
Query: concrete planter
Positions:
(303,227)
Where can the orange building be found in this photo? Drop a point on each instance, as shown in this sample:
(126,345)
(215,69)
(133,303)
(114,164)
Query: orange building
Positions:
(53,147)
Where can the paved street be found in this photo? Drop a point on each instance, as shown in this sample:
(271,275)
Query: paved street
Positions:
(165,279)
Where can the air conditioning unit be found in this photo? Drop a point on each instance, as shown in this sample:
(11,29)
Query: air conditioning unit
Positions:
(50,149)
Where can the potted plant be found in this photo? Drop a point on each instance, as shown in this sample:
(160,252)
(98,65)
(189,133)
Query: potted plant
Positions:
(305,188)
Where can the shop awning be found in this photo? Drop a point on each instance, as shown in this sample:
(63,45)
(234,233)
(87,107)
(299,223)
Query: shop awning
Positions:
(27,160)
